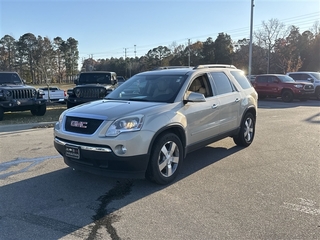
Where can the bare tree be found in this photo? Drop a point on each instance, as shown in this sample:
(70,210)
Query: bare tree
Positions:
(267,36)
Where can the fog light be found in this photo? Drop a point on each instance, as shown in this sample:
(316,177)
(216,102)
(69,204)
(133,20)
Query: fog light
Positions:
(120,149)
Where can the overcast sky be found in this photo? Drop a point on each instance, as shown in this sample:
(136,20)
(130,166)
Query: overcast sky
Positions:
(105,28)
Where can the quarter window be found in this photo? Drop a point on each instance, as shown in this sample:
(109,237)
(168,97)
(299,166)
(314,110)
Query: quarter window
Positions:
(241,79)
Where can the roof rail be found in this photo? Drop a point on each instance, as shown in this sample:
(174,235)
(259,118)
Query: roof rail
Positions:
(170,67)
(215,66)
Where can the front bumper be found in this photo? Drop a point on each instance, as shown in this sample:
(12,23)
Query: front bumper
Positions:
(21,104)
(101,160)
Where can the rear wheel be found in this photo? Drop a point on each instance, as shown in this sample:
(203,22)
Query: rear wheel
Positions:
(247,130)
(287,96)
(166,159)
(1,113)
(39,110)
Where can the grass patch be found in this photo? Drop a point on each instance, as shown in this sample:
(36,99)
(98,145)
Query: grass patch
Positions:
(52,115)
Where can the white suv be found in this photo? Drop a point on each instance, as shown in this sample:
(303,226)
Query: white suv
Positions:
(146,126)
(313,77)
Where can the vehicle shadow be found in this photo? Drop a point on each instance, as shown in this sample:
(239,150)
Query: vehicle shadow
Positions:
(78,204)
(274,103)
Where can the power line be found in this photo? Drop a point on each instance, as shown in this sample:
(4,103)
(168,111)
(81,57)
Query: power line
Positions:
(243,32)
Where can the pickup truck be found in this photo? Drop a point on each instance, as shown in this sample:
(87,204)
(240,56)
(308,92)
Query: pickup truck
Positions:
(54,94)
(280,85)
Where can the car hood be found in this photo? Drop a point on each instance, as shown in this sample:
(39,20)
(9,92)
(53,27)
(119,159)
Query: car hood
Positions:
(8,86)
(112,109)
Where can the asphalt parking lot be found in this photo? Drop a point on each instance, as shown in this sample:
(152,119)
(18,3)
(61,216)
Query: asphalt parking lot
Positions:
(267,191)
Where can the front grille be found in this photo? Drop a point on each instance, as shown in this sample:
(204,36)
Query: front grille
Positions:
(90,92)
(23,93)
(308,87)
(82,125)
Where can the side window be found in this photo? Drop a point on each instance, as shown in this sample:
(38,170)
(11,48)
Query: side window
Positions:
(222,83)
(262,79)
(201,85)
(273,79)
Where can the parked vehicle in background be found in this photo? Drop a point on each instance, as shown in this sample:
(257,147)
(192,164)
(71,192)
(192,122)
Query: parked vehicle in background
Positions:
(252,78)
(147,126)
(311,77)
(121,80)
(91,86)
(15,95)
(54,94)
(280,85)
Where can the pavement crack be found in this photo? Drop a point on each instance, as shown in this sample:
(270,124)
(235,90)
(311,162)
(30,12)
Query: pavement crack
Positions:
(104,219)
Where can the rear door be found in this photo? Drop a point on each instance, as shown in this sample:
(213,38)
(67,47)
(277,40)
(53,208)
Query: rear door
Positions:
(229,101)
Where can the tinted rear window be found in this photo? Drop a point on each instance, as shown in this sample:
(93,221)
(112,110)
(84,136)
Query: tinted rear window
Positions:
(241,79)
(103,78)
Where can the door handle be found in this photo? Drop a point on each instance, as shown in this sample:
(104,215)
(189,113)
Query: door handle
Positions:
(237,100)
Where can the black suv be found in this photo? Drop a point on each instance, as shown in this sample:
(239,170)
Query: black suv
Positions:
(91,86)
(15,95)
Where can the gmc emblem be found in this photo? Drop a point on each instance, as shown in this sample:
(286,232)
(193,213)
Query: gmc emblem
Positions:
(78,124)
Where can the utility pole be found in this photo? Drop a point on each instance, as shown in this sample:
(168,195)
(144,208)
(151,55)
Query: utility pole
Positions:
(125,60)
(135,51)
(250,44)
(189,52)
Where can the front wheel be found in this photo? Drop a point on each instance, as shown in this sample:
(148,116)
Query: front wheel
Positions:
(318,93)
(287,96)
(69,104)
(247,130)
(166,159)
(39,110)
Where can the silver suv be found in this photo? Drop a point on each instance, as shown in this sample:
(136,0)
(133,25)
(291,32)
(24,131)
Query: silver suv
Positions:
(147,126)
(313,77)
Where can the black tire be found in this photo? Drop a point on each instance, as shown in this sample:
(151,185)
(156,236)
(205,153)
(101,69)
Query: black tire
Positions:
(247,131)
(287,96)
(69,105)
(39,110)
(166,159)
(317,93)
(1,113)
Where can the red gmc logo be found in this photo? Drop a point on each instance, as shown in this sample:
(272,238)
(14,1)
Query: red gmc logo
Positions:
(78,124)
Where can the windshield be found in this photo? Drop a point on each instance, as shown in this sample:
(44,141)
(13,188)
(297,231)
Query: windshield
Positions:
(149,87)
(102,78)
(8,78)
(316,75)
(286,79)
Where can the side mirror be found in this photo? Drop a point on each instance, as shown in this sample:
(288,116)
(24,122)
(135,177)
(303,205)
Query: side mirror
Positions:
(311,80)
(76,81)
(114,82)
(194,97)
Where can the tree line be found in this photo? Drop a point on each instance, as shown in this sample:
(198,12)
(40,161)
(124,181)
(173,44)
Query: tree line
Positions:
(275,49)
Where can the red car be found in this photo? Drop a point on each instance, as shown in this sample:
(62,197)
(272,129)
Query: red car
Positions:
(280,85)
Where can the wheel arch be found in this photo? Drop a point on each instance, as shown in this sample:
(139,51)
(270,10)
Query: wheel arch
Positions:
(176,129)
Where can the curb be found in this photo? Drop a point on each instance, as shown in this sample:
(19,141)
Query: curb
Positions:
(26,126)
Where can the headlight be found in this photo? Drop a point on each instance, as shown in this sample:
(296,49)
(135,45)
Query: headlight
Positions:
(77,92)
(34,92)
(70,92)
(298,86)
(102,92)
(61,117)
(127,124)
